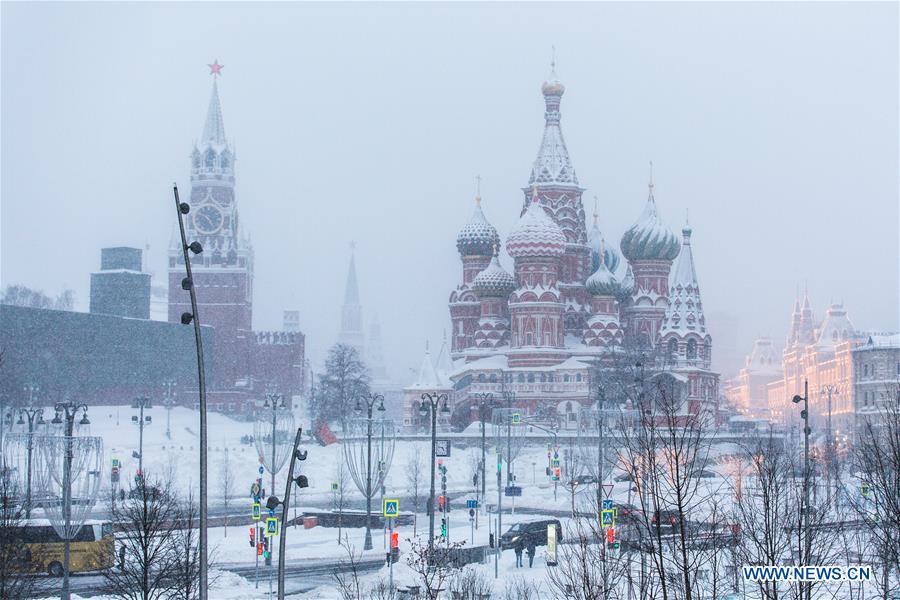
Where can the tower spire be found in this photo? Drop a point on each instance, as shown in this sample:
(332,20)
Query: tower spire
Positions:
(214,128)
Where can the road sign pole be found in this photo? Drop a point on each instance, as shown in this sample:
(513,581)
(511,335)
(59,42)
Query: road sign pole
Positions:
(391,555)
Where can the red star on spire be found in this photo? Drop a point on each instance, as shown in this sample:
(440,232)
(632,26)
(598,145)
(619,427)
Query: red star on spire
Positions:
(215,68)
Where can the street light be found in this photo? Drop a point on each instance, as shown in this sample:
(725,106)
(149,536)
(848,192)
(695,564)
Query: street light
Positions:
(169,402)
(804,414)
(485,402)
(370,403)
(30,413)
(430,401)
(141,403)
(187,284)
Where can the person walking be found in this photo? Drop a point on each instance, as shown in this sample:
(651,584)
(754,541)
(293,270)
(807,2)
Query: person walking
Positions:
(518,550)
(531,552)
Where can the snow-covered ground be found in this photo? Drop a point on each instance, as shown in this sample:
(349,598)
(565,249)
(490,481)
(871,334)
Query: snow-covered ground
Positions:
(177,460)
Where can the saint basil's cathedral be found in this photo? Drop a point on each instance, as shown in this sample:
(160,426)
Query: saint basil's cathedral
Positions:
(569,300)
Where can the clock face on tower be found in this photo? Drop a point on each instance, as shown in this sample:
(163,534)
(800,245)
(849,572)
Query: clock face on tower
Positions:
(208,219)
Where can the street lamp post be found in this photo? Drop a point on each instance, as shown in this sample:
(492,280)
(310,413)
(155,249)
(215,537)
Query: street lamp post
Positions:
(187,284)
(67,411)
(829,439)
(169,402)
(430,402)
(139,420)
(485,402)
(804,414)
(30,414)
(370,402)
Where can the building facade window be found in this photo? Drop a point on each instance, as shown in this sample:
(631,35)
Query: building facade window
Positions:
(692,349)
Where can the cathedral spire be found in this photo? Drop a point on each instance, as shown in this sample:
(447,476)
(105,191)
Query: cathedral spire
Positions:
(214,128)
(351,290)
(553,165)
(351,312)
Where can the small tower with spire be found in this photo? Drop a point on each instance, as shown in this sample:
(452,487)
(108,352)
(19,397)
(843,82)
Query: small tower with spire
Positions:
(475,242)
(352,333)
(650,247)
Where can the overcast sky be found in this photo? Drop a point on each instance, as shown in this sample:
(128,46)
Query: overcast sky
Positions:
(776,125)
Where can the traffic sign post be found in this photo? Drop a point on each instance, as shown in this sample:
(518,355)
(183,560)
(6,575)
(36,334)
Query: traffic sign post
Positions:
(255,511)
(607,518)
(607,504)
(271,526)
(551,545)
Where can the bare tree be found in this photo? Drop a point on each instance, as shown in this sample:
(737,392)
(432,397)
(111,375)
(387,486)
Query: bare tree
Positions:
(415,475)
(18,573)
(432,568)
(185,548)
(519,588)
(347,576)
(339,495)
(586,569)
(20,295)
(147,561)
(226,485)
(470,584)
(876,500)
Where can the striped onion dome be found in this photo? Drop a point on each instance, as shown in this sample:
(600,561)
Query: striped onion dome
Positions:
(649,238)
(602,282)
(536,235)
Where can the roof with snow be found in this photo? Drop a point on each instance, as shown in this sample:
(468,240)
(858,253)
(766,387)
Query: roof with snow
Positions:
(536,234)
(553,165)
(477,237)
(685,312)
(836,328)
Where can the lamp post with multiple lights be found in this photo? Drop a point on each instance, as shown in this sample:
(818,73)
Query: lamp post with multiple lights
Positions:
(430,402)
(807,540)
(34,416)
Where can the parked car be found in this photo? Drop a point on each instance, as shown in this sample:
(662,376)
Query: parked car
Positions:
(585,479)
(535,531)
(624,477)
(152,492)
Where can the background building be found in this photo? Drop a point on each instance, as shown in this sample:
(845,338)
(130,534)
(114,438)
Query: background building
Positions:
(748,391)
(120,287)
(876,380)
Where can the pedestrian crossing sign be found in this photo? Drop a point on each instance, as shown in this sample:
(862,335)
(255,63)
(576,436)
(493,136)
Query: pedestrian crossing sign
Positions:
(516,418)
(256,511)
(607,518)
(271,526)
(391,507)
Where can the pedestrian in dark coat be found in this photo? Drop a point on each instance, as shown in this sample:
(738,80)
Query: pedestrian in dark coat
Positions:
(531,552)
(518,550)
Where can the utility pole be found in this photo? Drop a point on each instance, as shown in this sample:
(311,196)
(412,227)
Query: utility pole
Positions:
(181,209)
(485,401)
(807,540)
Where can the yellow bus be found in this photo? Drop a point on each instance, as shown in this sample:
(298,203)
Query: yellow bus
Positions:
(41,548)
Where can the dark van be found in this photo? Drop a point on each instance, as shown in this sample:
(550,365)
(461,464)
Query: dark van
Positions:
(535,531)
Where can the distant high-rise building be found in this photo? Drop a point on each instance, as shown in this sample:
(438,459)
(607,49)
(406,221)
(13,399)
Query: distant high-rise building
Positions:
(120,287)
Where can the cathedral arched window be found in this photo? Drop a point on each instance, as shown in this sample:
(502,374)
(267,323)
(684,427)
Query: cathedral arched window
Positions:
(692,349)
(521,377)
(673,347)
(210,159)
(531,378)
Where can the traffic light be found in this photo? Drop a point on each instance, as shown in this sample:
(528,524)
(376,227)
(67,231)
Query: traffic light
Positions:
(610,535)
(441,502)
(491,540)
(252,536)
(443,528)
(395,540)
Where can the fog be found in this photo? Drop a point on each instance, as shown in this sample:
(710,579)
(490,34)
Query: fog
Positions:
(774,125)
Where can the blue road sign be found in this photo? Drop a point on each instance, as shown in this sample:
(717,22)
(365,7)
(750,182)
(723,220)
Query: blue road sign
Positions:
(512,490)
(391,507)
(606,518)
(261,470)
(607,504)
(471,503)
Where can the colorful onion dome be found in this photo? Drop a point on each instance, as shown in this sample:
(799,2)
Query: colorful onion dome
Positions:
(477,237)
(602,282)
(536,234)
(649,238)
(627,285)
(493,281)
